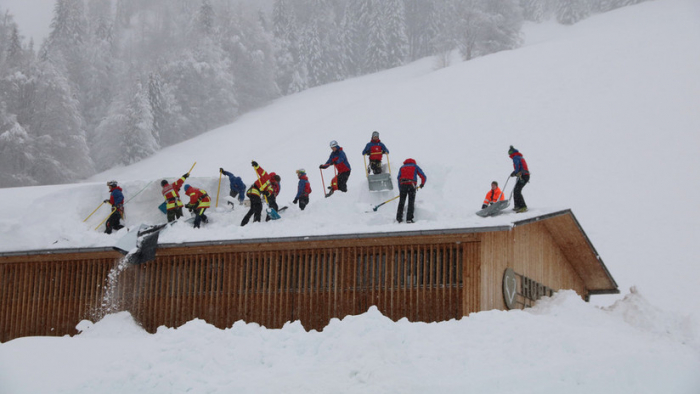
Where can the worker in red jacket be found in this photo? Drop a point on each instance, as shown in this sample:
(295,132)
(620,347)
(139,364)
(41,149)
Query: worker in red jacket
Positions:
(493,195)
(521,171)
(199,202)
(116,199)
(171,194)
(376,150)
(408,183)
(303,189)
(267,186)
(340,161)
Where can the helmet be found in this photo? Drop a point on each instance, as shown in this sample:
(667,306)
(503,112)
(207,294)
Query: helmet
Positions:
(112,183)
(187,187)
(334,144)
(163,182)
(301,171)
(375,134)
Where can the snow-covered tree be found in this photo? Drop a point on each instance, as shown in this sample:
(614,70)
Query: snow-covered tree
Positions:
(571,11)
(395,32)
(376,53)
(140,137)
(420,28)
(57,125)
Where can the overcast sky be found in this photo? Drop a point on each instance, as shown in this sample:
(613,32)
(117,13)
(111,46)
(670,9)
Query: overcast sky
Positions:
(32,16)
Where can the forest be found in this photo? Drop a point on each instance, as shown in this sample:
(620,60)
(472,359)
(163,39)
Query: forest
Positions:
(117,80)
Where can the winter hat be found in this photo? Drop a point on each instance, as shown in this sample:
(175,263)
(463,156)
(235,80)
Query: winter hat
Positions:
(511,150)
(112,183)
(163,182)
(375,134)
(334,144)
(301,172)
(187,187)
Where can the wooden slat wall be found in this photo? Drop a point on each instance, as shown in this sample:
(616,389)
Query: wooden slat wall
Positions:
(49,298)
(529,250)
(419,281)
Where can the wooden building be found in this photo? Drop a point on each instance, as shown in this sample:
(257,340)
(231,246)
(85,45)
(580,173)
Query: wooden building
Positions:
(431,275)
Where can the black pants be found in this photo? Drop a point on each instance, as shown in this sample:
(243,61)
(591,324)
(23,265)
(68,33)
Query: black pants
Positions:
(113,221)
(175,213)
(410,191)
(255,209)
(518,191)
(376,166)
(199,216)
(303,202)
(343,181)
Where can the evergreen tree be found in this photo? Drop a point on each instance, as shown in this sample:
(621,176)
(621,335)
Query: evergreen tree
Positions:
(395,32)
(205,19)
(420,28)
(140,138)
(572,11)
(57,125)
(376,53)
(16,147)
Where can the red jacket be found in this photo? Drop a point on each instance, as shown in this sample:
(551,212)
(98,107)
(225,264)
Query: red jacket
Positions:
(263,184)
(171,194)
(198,197)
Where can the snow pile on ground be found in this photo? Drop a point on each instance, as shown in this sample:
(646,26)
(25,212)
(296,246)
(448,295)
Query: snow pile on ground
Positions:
(561,345)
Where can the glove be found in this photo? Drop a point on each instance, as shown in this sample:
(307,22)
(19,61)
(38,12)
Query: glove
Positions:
(254,163)
(189,206)
(322,166)
(295,201)
(421,185)
(105,201)
(512,174)
(221,170)
(266,193)
(483,206)
(186,175)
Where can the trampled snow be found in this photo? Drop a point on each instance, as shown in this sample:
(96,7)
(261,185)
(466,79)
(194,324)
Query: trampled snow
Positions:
(606,114)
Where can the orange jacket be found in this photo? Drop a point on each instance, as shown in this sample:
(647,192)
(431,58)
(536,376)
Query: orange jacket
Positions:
(493,196)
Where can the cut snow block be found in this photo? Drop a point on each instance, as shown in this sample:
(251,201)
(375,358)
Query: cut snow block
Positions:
(380,182)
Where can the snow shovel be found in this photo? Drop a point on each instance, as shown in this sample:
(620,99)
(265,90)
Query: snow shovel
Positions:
(390,200)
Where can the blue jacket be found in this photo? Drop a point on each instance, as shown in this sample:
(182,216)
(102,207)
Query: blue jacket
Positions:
(236,183)
(116,197)
(338,159)
(519,163)
(301,189)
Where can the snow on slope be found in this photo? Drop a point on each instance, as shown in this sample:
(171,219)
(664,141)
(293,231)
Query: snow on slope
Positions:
(605,111)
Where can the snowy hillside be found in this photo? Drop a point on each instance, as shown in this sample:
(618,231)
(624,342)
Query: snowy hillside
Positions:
(606,114)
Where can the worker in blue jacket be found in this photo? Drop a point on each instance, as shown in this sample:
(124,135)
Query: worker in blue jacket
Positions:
(238,188)
(375,149)
(408,183)
(340,161)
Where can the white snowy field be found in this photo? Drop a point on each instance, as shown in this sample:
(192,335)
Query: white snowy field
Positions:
(606,112)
